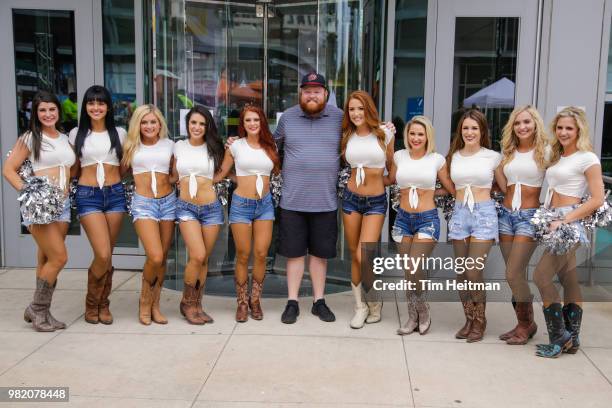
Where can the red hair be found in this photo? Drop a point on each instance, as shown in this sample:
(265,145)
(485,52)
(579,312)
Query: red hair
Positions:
(265,136)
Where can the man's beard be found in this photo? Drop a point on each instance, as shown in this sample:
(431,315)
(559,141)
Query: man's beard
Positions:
(310,109)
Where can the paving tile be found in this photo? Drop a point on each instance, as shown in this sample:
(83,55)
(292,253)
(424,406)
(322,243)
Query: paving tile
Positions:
(490,375)
(311,370)
(121,365)
(77,401)
(243,404)
(16,346)
(602,358)
(596,316)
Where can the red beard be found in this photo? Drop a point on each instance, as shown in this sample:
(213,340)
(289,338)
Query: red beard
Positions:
(311,107)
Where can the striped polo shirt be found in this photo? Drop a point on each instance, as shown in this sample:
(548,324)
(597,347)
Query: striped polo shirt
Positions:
(311,160)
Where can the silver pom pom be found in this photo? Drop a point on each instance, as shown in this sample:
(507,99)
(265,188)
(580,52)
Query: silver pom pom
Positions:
(447,204)
(343,177)
(498,199)
(72,189)
(394,194)
(41,201)
(25,170)
(129,188)
(222,190)
(276,186)
(601,217)
(559,241)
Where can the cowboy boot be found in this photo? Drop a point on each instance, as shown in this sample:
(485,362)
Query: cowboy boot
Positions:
(57,325)
(146,301)
(95,286)
(422,308)
(560,339)
(242,298)
(104,313)
(255,299)
(189,304)
(479,324)
(526,327)
(374,306)
(507,335)
(572,316)
(412,323)
(156,314)
(203,315)
(36,312)
(361,308)
(468,311)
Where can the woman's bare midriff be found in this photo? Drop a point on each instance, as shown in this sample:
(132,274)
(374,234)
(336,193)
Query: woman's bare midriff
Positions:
(246,186)
(373,184)
(53,174)
(561,200)
(112,175)
(530,196)
(480,194)
(426,200)
(142,182)
(205,194)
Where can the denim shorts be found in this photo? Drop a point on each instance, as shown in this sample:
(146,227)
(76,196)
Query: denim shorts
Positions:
(516,222)
(247,210)
(364,205)
(158,209)
(425,224)
(207,214)
(108,199)
(562,211)
(480,223)
(64,216)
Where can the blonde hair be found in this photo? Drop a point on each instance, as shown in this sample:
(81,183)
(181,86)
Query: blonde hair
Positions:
(429,132)
(132,141)
(371,119)
(510,142)
(584,134)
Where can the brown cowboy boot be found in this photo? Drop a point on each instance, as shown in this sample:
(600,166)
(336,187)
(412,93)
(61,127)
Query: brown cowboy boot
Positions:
(52,320)
(507,335)
(156,314)
(201,312)
(95,286)
(255,300)
(146,301)
(188,306)
(242,297)
(479,324)
(526,326)
(36,312)
(468,310)
(104,313)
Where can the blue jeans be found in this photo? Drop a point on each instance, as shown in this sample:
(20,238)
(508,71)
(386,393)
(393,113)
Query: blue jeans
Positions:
(516,222)
(247,210)
(425,224)
(64,216)
(364,205)
(480,224)
(207,214)
(158,209)
(108,199)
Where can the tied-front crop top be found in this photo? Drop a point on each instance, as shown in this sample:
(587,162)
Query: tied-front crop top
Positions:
(54,152)
(193,161)
(414,174)
(154,159)
(251,162)
(476,170)
(567,175)
(523,170)
(364,151)
(97,150)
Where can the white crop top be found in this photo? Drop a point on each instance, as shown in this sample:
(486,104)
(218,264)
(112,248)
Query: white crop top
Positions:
(251,162)
(364,151)
(193,161)
(420,173)
(54,152)
(154,159)
(476,170)
(97,150)
(567,175)
(523,170)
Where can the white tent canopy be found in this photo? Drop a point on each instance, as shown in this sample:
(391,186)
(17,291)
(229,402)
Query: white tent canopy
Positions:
(499,94)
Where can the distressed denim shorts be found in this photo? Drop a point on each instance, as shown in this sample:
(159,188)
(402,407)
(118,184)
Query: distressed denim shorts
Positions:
(364,205)
(425,224)
(158,209)
(247,210)
(562,211)
(207,214)
(516,222)
(108,199)
(64,216)
(481,223)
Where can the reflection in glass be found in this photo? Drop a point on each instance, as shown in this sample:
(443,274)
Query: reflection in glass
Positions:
(485,69)
(45,60)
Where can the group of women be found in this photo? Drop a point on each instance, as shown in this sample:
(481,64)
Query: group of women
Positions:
(100,155)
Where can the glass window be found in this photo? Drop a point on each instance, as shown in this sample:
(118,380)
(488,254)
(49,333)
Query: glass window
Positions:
(484,71)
